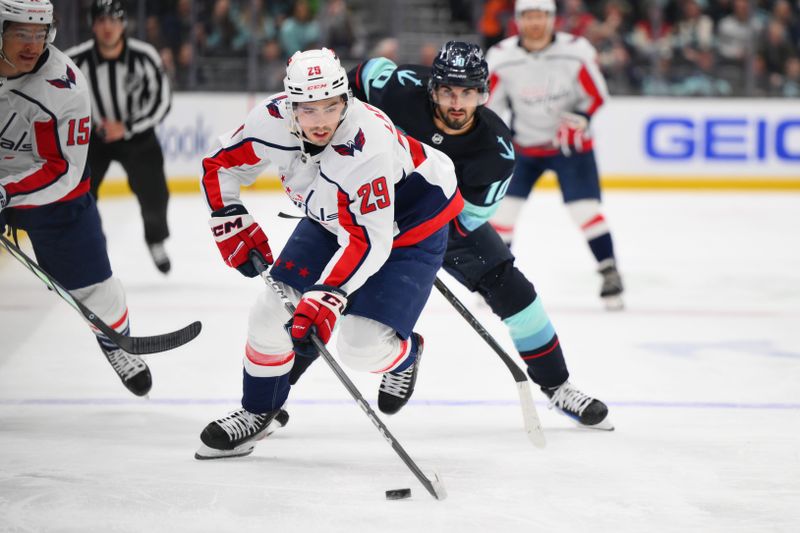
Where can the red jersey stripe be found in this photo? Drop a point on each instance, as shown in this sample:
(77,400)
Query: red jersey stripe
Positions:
(542,354)
(356,249)
(397,360)
(418,155)
(242,154)
(121,321)
(591,89)
(596,220)
(263,359)
(429,227)
(54,165)
(494,79)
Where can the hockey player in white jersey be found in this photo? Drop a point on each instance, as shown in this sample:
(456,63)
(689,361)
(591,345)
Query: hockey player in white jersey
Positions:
(547,86)
(44,179)
(377,206)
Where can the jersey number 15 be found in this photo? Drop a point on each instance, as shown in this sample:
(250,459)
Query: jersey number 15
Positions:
(81,136)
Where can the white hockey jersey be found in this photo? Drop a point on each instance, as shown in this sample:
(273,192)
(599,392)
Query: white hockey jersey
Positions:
(371,186)
(44,132)
(530,90)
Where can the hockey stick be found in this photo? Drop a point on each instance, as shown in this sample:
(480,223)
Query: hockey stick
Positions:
(434,486)
(530,418)
(133,345)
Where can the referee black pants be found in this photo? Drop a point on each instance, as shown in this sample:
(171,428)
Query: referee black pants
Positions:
(143,161)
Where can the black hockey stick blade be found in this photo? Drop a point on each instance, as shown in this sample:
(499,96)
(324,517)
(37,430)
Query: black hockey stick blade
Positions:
(530,417)
(133,345)
(434,484)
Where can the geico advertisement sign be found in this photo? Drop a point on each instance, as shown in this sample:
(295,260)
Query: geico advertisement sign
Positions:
(195,122)
(698,137)
(730,138)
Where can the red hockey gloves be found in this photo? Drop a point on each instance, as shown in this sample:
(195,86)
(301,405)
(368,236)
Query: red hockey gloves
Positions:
(237,234)
(569,136)
(318,310)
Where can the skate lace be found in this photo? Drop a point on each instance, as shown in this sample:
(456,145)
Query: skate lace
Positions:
(124,364)
(570,399)
(397,384)
(241,423)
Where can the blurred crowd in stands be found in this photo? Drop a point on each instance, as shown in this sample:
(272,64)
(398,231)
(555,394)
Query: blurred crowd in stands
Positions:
(680,47)
(650,47)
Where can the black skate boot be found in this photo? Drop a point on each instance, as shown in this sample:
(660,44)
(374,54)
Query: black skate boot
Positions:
(396,389)
(611,290)
(236,434)
(131,370)
(160,257)
(585,410)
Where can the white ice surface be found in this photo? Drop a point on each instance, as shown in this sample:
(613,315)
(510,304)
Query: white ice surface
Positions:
(701,373)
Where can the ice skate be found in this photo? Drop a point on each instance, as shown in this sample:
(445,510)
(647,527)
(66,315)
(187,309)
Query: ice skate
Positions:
(237,433)
(160,257)
(586,411)
(396,389)
(131,369)
(611,290)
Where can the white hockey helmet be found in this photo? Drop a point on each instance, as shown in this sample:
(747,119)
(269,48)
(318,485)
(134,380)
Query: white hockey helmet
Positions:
(27,12)
(315,75)
(548,6)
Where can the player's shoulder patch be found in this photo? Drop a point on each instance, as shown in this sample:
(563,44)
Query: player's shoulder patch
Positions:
(349,148)
(65,81)
(496,136)
(412,76)
(276,106)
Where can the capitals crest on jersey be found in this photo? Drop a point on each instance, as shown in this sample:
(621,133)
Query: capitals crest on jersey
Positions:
(64,82)
(350,148)
(273,108)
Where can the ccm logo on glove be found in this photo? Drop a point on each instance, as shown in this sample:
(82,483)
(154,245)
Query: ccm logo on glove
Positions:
(318,310)
(237,234)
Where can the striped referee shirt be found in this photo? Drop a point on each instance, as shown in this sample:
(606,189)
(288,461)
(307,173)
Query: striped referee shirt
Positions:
(132,89)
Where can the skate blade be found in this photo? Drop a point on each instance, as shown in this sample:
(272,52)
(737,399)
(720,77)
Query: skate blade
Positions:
(603,425)
(204,453)
(613,303)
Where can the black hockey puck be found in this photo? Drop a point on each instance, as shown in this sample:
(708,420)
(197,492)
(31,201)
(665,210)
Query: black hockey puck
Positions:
(398,494)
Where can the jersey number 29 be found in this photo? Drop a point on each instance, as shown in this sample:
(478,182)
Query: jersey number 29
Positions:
(377,188)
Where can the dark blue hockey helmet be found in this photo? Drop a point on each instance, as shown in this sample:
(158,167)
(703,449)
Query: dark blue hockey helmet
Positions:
(460,64)
(109,8)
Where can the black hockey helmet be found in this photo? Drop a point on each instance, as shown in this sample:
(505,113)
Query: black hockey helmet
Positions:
(110,8)
(460,64)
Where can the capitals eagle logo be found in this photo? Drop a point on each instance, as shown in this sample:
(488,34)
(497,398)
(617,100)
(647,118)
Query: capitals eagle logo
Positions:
(273,108)
(350,148)
(64,82)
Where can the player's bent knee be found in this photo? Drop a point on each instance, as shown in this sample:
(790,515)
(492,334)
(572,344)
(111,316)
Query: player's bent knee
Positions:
(107,300)
(506,290)
(367,345)
(266,329)
(260,363)
(586,214)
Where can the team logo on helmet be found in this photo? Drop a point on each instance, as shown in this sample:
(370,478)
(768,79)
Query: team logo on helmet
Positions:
(64,82)
(350,148)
